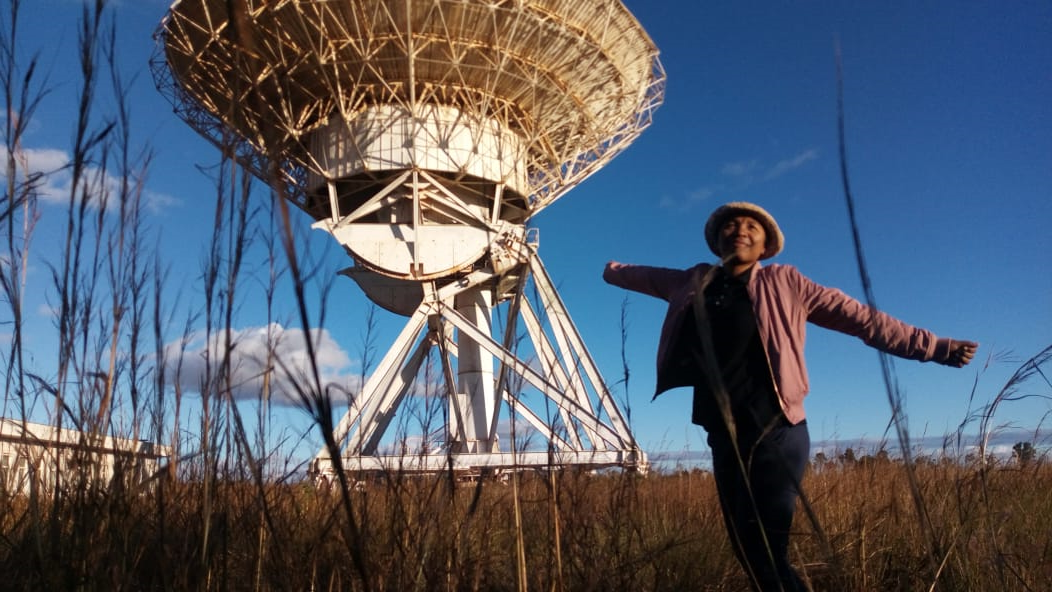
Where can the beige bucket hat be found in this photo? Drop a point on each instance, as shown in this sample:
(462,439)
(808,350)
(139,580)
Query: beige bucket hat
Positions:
(775,239)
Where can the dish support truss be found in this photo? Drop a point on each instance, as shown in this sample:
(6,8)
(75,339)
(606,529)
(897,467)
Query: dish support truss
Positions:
(586,427)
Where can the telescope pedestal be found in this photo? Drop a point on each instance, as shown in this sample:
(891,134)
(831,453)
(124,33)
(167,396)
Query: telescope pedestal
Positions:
(557,395)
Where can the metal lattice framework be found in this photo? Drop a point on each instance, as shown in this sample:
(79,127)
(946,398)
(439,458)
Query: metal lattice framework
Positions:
(577,80)
(423,135)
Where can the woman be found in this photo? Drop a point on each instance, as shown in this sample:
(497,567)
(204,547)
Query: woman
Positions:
(735,333)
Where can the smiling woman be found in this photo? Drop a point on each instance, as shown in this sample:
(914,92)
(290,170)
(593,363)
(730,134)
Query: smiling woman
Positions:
(735,333)
(742,233)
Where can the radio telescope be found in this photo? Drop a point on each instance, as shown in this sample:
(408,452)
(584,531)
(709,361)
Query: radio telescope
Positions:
(423,135)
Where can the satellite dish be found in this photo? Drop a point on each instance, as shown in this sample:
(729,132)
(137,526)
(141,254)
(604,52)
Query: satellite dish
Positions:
(423,135)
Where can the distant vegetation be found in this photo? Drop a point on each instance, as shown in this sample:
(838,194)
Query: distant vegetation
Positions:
(230,510)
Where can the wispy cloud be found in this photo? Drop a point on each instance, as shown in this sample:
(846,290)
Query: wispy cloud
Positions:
(693,198)
(739,176)
(47,311)
(790,164)
(740,169)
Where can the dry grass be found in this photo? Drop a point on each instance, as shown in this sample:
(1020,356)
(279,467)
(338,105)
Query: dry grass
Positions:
(618,531)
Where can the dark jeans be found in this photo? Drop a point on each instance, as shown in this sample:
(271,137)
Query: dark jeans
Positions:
(774,465)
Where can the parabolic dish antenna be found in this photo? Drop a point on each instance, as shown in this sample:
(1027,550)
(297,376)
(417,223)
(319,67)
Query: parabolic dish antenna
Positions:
(423,135)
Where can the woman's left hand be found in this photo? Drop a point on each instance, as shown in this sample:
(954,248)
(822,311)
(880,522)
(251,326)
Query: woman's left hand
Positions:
(961,352)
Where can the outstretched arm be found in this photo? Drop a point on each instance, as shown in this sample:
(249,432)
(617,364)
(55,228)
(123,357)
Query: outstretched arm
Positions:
(654,281)
(832,309)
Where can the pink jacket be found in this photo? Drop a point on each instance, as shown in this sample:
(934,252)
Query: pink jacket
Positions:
(784,301)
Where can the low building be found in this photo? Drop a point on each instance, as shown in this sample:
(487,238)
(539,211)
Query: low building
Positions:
(51,456)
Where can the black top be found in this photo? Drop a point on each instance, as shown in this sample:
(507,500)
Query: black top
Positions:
(742,361)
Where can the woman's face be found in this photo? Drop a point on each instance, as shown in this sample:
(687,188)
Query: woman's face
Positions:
(742,240)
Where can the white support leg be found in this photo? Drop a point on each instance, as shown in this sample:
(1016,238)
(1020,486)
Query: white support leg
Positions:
(561,318)
(475,373)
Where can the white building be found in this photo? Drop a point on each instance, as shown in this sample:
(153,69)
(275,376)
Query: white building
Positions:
(50,456)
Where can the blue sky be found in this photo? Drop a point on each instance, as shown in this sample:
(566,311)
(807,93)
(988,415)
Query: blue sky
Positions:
(949,140)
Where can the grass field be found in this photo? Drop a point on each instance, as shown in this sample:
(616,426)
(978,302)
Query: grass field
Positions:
(577,531)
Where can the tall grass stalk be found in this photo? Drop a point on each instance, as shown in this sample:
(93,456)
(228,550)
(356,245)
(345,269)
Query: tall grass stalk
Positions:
(938,552)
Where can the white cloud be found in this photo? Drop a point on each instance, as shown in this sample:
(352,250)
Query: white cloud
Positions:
(693,198)
(700,195)
(755,171)
(784,166)
(41,159)
(158,202)
(50,164)
(740,169)
(55,181)
(260,352)
(47,311)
